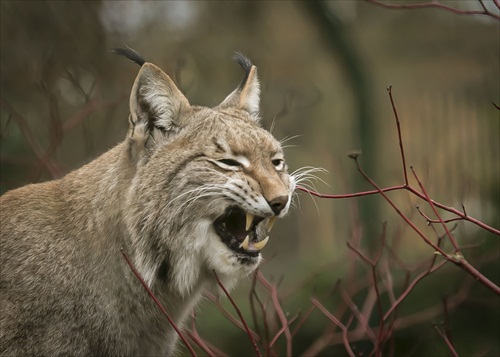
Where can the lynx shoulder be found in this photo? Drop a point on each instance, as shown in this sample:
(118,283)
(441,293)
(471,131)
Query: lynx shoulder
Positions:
(190,191)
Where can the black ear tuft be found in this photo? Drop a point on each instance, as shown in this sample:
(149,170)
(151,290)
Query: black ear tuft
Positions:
(244,62)
(130,54)
(247,95)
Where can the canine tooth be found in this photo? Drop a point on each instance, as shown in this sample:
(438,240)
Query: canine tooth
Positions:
(249,221)
(270,223)
(261,244)
(245,243)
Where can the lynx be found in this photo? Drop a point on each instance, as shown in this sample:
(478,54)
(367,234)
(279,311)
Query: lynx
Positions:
(190,192)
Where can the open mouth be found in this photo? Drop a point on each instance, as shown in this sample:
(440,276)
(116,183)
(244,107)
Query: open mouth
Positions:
(241,231)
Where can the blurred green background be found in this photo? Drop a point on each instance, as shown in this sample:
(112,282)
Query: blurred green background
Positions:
(324,69)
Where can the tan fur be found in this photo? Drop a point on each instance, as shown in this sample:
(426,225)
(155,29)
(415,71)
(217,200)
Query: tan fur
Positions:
(65,288)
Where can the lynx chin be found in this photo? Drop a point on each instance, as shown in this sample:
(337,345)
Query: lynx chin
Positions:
(190,191)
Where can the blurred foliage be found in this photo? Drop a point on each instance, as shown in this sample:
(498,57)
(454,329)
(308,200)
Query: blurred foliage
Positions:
(324,69)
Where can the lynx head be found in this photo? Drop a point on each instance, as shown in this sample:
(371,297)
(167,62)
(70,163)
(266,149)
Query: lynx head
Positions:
(208,183)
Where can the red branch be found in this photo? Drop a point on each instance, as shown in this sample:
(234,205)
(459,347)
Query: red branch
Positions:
(447,328)
(400,139)
(249,333)
(462,215)
(447,341)
(281,314)
(428,199)
(373,265)
(193,334)
(457,258)
(410,287)
(152,295)
(336,322)
(228,315)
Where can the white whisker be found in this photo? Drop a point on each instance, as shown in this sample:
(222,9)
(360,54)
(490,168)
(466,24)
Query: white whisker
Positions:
(306,174)
(185,206)
(305,177)
(287,138)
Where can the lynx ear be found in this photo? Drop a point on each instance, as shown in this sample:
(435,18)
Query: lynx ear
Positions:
(155,101)
(247,95)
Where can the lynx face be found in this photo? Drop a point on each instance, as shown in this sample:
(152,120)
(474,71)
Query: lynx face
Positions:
(253,187)
(220,181)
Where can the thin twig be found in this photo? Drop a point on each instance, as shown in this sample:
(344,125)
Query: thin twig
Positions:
(349,195)
(447,328)
(464,264)
(428,199)
(447,341)
(363,321)
(400,139)
(249,333)
(380,339)
(150,293)
(228,315)
(462,215)
(252,296)
(279,310)
(193,335)
(400,323)
(398,211)
(213,351)
(457,258)
(411,286)
(430,220)
(336,322)
(303,320)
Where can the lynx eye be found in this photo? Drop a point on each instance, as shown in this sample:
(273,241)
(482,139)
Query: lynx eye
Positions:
(230,162)
(234,164)
(279,164)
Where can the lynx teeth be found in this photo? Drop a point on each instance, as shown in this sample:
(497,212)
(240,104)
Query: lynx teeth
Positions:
(250,218)
(261,244)
(270,223)
(245,243)
(255,247)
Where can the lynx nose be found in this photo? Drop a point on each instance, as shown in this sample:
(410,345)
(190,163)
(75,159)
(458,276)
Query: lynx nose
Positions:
(278,203)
